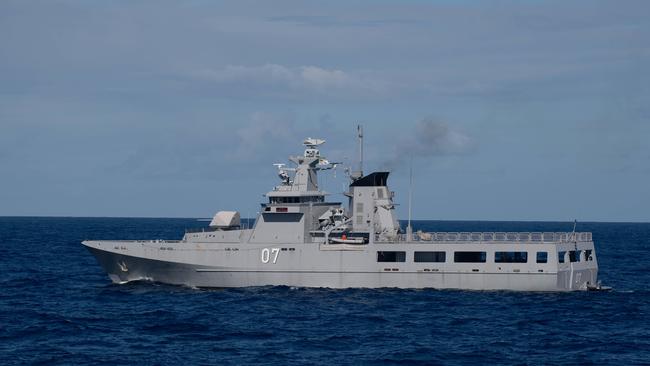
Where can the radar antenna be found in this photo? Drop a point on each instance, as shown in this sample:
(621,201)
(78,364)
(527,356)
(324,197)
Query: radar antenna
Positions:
(360,136)
(409,228)
(282,173)
(313,143)
(358,174)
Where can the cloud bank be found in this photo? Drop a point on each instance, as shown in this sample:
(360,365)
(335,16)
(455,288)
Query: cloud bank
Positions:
(282,81)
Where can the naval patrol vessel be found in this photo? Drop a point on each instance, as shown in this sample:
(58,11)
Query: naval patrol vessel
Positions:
(301,239)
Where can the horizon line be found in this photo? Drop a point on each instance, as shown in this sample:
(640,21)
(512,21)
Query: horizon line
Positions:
(197,218)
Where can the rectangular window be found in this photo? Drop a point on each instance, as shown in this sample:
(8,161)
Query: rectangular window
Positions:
(588,256)
(511,257)
(359,207)
(391,256)
(430,257)
(380,193)
(560,256)
(469,257)
(574,255)
(542,257)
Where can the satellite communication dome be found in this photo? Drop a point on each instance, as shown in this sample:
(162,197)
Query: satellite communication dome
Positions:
(225,219)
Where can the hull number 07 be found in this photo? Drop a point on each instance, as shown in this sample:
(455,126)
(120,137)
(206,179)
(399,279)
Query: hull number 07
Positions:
(270,255)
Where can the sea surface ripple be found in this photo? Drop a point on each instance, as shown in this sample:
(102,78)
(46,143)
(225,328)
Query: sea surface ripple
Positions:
(58,307)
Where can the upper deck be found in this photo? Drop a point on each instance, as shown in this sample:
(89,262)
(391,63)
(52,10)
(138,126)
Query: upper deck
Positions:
(492,237)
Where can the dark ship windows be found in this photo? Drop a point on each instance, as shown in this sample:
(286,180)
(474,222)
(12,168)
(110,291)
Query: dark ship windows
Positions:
(542,257)
(575,256)
(384,256)
(511,257)
(297,199)
(306,199)
(438,257)
(469,257)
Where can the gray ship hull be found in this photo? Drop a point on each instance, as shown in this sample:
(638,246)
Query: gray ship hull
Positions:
(337,272)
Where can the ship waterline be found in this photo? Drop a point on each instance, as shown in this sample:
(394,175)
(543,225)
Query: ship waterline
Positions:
(301,240)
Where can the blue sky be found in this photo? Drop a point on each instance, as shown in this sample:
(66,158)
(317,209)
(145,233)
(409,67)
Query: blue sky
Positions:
(513,110)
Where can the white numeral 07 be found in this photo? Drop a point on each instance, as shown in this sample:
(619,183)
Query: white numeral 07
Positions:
(267,253)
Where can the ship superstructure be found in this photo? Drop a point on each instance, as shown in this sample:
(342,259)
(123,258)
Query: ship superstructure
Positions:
(302,239)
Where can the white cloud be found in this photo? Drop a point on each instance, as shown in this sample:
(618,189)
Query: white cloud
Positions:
(292,82)
(320,78)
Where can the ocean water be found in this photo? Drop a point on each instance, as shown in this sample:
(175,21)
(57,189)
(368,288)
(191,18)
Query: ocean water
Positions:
(58,307)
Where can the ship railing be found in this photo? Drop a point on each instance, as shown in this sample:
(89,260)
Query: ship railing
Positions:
(212,229)
(523,237)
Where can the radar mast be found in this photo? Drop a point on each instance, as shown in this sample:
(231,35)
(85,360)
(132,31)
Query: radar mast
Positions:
(359,173)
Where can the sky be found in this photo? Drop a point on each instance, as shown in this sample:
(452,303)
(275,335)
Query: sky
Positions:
(509,110)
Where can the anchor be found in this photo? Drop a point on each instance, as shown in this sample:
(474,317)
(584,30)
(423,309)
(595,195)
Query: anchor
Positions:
(123,266)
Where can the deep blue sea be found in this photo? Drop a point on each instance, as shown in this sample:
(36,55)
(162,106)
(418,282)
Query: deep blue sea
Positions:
(58,307)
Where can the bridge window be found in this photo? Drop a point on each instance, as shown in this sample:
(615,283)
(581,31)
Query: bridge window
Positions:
(469,257)
(588,256)
(385,256)
(510,257)
(299,199)
(430,257)
(560,256)
(574,255)
(542,257)
(312,199)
